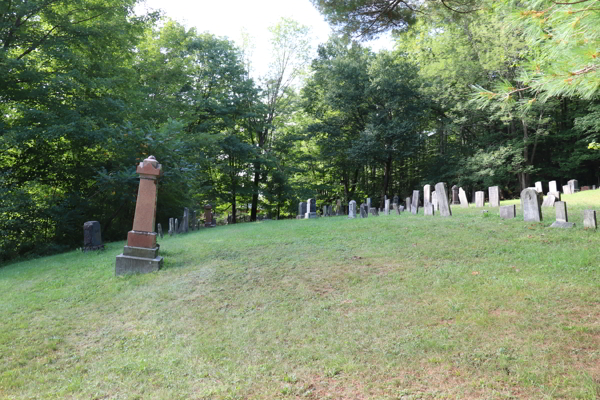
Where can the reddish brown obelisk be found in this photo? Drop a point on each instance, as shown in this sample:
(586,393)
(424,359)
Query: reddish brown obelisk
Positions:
(141,252)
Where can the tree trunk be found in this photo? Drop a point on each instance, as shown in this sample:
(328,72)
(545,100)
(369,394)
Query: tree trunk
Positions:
(233,205)
(255,194)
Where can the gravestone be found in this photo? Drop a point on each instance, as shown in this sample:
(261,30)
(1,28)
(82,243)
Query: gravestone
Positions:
(549,200)
(479,199)
(92,236)
(395,207)
(141,252)
(396,199)
(159,230)
(325,211)
(213,220)
(387,207)
(531,205)
(428,209)
(414,204)
(407,204)
(364,211)
(434,200)
(311,208)
(368,203)
(373,211)
(207,216)
(556,195)
(589,219)
(426,194)
(456,195)
(302,209)
(177,227)
(186,220)
(573,186)
(562,220)
(538,187)
(566,189)
(552,186)
(463,198)
(171,226)
(400,209)
(352,209)
(494,193)
(584,188)
(442,199)
(508,212)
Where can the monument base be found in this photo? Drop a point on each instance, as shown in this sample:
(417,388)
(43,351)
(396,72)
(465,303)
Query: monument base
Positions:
(137,265)
(311,215)
(562,224)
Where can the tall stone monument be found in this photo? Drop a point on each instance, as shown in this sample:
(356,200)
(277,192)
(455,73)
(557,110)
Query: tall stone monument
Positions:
(494,193)
(364,211)
(441,192)
(530,201)
(338,207)
(141,252)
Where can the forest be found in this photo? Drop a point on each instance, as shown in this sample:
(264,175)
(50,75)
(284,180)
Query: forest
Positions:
(475,93)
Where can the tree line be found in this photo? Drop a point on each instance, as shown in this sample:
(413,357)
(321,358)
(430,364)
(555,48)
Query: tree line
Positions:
(474,93)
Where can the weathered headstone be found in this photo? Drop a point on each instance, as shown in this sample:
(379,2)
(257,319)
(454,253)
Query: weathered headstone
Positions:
(428,209)
(141,252)
(186,220)
(325,211)
(207,216)
(407,204)
(552,186)
(562,220)
(573,186)
(531,205)
(589,219)
(400,209)
(92,236)
(177,227)
(311,208)
(566,189)
(494,194)
(508,212)
(426,195)
(338,207)
(584,188)
(479,199)
(373,211)
(434,200)
(442,199)
(456,195)
(556,195)
(352,209)
(549,200)
(159,230)
(538,187)
(171,226)
(414,203)
(396,199)
(463,198)
(364,210)
(386,210)
(368,203)
(395,207)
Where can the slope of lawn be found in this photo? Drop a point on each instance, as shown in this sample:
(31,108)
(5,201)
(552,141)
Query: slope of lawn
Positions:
(389,307)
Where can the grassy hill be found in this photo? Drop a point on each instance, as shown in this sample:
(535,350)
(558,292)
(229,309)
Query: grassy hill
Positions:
(397,307)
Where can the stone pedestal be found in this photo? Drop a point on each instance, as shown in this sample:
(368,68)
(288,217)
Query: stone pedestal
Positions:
(140,255)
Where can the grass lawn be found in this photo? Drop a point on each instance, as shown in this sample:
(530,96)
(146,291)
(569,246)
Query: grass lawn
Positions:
(396,307)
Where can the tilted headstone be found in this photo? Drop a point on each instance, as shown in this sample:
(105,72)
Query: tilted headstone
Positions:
(456,195)
(531,205)
(552,186)
(171,226)
(442,199)
(428,209)
(414,203)
(352,209)
(589,219)
(508,212)
(566,189)
(364,210)
(549,200)
(141,252)
(386,210)
(573,186)
(463,198)
(562,220)
(373,211)
(159,230)
(302,209)
(426,194)
(556,195)
(311,208)
(479,199)
(538,187)
(494,194)
(92,236)
(207,216)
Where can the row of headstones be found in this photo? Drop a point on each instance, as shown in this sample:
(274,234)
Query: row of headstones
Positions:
(308,209)
(189,222)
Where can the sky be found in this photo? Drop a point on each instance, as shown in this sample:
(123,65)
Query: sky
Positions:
(230,17)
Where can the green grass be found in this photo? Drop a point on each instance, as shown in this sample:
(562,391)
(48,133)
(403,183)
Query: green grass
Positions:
(397,307)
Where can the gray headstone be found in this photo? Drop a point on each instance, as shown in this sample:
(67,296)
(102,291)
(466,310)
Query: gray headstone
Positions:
(456,195)
(552,186)
(549,200)
(566,189)
(434,200)
(338,207)
(311,209)
(364,210)
(386,210)
(325,211)
(396,199)
(176,231)
(538,187)
(186,221)
(368,203)
(414,203)
(561,211)
(442,199)
(556,195)
(508,212)
(531,205)
(573,186)
(395,207)
(589,219)
(426,194)
(494,193)
(159,230)
(407,204)
(302,209)
(480,199)
(352,209)
(428,209)
(213,220)
(400,209)
(171,226)
(373,211)
(464,202)
(92,236)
